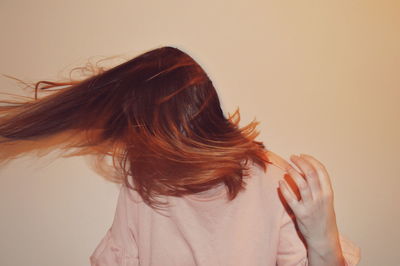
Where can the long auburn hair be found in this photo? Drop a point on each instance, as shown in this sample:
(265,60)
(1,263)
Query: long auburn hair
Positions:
(157,116)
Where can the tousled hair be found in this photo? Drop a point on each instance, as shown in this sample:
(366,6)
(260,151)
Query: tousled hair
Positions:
(157,116)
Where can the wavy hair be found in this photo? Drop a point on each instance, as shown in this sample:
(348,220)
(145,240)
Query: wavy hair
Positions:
(157,116)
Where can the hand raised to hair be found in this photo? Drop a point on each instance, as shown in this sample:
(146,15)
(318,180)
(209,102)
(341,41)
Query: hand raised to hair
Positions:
(314,212)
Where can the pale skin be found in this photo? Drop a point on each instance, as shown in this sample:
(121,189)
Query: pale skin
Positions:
(314,212)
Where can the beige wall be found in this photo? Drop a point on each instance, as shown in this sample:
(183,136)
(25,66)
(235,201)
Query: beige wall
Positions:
(321,76)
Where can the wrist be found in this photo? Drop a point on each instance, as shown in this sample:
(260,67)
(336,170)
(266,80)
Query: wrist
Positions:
(329,236)
(327,250)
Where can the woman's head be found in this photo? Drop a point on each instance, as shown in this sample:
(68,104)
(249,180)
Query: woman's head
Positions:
(157,115)
(167,92)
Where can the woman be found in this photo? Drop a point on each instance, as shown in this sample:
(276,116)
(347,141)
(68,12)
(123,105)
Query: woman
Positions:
(196,189)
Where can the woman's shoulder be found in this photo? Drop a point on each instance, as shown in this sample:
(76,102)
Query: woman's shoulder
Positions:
(275,167)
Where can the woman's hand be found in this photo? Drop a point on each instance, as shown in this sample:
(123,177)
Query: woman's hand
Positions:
(314,212)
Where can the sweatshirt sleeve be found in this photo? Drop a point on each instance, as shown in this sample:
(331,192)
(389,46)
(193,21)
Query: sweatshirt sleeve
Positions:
(118,247)
(293,252)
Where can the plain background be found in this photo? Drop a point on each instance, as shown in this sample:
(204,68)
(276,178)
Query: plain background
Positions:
(322,77)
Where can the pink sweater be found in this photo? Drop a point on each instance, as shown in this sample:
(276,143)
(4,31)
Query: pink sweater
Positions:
(206,230)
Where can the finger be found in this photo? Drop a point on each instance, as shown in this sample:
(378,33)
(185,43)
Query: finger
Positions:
(288,195)
(304,188)
(310,174)
(325,181)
